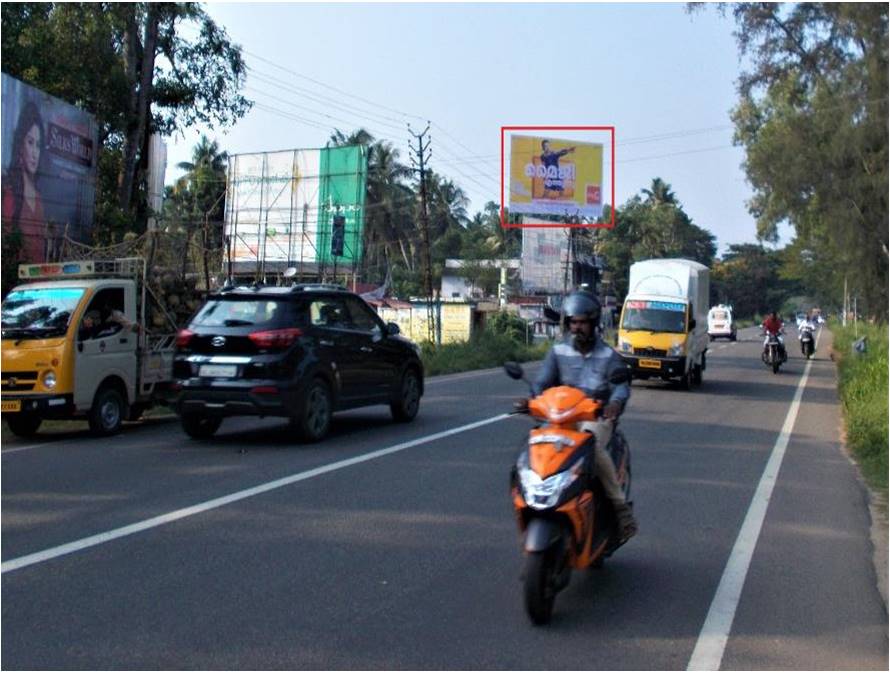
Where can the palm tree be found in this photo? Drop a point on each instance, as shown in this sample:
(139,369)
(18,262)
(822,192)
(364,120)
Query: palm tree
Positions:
(660,193)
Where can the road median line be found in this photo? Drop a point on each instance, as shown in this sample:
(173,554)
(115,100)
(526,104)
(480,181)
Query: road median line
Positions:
(154,522)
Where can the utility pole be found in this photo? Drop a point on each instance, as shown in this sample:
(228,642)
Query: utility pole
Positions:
(422,157)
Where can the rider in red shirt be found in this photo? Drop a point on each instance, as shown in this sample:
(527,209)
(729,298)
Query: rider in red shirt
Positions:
(774,325)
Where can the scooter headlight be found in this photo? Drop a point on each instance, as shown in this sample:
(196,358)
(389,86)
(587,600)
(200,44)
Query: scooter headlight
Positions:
(545,493)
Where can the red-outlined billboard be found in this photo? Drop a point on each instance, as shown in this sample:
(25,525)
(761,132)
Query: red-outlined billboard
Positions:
(598,225)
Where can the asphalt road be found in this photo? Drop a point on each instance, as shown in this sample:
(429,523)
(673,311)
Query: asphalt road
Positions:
(342,556)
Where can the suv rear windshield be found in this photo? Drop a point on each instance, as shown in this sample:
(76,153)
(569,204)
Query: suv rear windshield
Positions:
(246,311)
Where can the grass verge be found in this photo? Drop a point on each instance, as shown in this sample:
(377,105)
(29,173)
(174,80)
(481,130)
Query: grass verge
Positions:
(862,385)
(486,350)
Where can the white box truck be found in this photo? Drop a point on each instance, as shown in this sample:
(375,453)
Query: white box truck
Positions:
(663,331)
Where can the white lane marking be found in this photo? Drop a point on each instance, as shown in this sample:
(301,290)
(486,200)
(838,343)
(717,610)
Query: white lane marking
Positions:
(25,448)
(101,538)
(711,643)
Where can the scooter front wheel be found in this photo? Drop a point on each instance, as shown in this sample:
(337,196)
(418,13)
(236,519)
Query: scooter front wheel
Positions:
(540,585)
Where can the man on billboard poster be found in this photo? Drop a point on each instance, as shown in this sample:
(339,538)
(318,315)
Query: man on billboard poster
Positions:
(552,181)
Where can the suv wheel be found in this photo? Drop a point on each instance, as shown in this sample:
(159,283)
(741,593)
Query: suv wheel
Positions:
(107,413)
(200,427)
(315,416)
(405,408)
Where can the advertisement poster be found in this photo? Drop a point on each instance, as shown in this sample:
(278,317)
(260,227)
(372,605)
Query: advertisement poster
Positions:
(49,158)
(281,205)
(549,176)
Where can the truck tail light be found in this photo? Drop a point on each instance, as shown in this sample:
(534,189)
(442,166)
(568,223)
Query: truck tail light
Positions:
(275,338)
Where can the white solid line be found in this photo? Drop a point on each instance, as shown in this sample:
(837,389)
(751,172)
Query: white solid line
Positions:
(25,448)
(711,643)
(101,538)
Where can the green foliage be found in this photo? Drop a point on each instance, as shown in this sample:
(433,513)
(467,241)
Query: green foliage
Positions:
(486,350)
(650,228)
(92,54)
(749,278)
(812,117)
(863,391)
(507,324)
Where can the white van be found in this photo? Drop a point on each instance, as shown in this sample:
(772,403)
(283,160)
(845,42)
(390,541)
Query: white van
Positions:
(720,324)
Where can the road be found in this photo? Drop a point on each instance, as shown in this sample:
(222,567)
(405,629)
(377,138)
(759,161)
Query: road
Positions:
(394,546)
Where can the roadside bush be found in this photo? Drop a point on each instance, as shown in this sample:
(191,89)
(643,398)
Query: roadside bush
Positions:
(485,350)
(863,391)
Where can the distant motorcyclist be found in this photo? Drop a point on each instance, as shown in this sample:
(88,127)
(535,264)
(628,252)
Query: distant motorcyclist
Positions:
(773,325)
(585,361)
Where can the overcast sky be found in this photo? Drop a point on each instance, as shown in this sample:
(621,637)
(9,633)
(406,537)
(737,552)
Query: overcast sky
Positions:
(663,78)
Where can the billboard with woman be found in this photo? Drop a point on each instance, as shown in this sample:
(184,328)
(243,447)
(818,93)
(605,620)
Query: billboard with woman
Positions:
(49,157)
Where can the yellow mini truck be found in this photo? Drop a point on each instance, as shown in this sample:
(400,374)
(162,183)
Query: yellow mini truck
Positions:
(74,346)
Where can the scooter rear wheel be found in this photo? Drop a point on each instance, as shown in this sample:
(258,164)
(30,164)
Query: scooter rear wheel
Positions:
(539,586)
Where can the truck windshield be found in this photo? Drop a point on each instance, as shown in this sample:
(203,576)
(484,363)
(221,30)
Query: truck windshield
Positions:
(654,316)
(39,313)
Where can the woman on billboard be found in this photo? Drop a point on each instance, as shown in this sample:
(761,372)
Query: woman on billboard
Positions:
(23,216)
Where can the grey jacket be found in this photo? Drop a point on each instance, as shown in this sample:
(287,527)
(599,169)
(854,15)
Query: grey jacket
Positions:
(590,372)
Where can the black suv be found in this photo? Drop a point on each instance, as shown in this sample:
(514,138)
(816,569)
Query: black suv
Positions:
(300,352)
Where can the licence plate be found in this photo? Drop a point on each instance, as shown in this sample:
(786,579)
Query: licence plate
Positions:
(11,405)
(220,371)
(650,364)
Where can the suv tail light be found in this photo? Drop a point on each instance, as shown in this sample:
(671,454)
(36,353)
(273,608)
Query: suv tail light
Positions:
(183,337)
(275,338)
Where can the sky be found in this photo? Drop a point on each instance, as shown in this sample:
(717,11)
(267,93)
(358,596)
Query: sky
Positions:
(663,78)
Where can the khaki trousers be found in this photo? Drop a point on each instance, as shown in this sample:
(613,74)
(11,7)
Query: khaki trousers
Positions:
(605,468)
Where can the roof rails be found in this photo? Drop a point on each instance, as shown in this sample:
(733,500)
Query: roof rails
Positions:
(317,286)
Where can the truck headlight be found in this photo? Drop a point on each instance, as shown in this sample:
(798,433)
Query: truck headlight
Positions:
(677,349)
(624,346)
(49,380)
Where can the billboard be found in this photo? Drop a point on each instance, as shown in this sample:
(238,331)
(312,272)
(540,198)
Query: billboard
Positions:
(544,254)
(49,158)
(549,176)
(281,207)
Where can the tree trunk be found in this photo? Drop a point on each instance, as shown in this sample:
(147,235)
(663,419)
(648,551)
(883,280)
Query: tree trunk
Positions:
(140,98)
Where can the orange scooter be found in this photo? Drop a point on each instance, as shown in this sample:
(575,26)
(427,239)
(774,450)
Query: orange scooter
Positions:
(565,519)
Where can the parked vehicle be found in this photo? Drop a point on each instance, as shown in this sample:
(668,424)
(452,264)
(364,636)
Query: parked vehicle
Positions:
(807,340)
(663,328)
(565,519)
(300,352)
(720,323)
(74,346)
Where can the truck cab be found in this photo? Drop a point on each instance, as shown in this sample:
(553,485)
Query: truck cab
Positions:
(662,331)
(72,348)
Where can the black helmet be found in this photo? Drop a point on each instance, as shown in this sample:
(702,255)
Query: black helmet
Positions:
(581,303)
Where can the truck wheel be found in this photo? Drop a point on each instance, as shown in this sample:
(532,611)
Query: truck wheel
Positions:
(107,413)
(200,427)
(24,425)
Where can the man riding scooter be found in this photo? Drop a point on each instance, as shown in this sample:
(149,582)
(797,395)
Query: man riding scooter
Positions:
(585,361)
(774,325)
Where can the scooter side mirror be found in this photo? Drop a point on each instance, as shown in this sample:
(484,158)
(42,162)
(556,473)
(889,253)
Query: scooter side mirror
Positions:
(514,370)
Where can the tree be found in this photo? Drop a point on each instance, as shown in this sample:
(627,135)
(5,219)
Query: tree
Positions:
(812,117)
(651,228)
(128,64)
